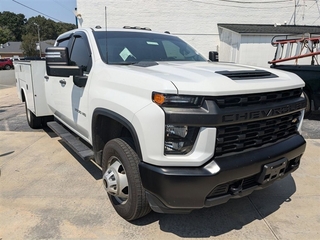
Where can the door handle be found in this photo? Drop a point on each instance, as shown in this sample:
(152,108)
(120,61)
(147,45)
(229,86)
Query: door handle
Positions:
(63,82)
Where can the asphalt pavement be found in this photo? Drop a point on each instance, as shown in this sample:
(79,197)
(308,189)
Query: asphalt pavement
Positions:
(7,79)
(46,192)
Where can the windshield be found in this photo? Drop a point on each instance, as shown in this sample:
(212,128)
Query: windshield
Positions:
(134,47)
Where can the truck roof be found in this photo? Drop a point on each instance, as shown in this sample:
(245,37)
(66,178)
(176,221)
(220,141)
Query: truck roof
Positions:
(114,29)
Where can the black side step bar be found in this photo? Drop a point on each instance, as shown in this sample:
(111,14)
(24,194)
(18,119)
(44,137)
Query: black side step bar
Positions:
(79,147)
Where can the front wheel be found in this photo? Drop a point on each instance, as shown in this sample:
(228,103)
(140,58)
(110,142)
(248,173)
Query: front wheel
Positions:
(121,179)
(33,121)
(7,67)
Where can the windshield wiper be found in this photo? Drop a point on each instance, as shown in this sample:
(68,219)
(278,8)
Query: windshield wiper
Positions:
(138,64)
(122,63)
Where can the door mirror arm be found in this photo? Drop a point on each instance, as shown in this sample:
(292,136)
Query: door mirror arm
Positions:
(80,81)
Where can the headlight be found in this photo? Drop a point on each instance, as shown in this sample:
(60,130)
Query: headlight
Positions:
(179,139)
(171,100)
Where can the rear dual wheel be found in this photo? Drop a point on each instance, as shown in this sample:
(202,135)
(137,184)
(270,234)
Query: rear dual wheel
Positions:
(33,121)
(121,179)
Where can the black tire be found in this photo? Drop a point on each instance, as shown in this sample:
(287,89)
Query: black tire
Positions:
(308,107)
(7,67)
(33,121)
(121,179)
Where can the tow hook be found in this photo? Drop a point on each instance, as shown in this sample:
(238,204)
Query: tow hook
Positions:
(236,188)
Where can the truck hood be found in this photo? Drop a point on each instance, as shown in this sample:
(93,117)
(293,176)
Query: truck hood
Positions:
(207,78)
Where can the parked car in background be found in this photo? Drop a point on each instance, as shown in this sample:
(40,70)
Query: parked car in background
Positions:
(6,64)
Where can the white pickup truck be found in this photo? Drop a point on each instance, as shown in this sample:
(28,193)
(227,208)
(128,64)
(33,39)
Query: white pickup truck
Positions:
(171,130)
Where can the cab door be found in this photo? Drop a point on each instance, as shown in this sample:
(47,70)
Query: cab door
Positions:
(69,98)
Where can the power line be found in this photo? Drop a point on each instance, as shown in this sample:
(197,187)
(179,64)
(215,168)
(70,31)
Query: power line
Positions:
(64,7)
(36,10)
(318,11)
(250,2)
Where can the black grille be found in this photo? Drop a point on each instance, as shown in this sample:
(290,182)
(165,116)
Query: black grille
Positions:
(224,188)
(261,98)
(219,190)
(239,137)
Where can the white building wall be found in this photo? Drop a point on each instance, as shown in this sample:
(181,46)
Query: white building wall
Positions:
(256,50)
(194,20)
(229,46)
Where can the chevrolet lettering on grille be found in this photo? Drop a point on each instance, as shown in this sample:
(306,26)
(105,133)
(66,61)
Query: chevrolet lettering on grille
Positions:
(244,116)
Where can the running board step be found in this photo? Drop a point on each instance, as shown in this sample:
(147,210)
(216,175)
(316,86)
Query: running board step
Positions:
(79,147)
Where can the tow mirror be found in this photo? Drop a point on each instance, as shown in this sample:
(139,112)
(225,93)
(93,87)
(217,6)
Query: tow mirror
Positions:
(214,56)
(58,63)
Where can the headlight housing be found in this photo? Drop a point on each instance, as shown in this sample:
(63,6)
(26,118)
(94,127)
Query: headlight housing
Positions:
(173,100)
(179,139)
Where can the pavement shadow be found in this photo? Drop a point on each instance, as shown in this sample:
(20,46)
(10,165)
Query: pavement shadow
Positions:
(91,168)
(313,116)
(224,218)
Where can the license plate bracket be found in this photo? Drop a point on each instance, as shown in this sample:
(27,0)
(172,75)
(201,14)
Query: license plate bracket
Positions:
(272,171)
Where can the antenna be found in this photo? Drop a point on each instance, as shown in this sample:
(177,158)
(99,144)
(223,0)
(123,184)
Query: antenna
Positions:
(105,26)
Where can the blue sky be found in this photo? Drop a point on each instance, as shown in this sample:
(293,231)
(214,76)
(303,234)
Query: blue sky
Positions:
(57,10)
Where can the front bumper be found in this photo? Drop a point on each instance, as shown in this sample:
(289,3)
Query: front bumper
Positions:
(182,189)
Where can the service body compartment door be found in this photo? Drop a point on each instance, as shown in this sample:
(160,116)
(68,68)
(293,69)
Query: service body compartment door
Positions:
(30,79)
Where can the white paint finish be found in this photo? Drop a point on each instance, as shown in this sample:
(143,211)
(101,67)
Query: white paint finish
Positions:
(256,50)
(229,45)
(30,80)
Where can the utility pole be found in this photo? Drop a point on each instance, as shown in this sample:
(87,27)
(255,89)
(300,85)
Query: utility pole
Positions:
(296,5)
(295,12)
(38,38)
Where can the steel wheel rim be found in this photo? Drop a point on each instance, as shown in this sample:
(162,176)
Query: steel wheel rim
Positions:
(28,114)
(115,181)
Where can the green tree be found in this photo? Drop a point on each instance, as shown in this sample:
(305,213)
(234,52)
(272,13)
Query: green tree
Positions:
(5,35)
(15,27)
(19,26)
(46,27)
(28,45)
(14,22)
(64,27)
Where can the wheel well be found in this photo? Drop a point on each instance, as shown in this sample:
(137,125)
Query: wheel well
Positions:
(309,97)
(105,129)
(307,91)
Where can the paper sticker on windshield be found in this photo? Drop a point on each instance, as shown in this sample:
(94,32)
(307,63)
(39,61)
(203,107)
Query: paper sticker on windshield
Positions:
(125,53)
(152,43)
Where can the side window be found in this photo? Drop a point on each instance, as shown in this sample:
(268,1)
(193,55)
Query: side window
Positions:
(63,43)
(80,54)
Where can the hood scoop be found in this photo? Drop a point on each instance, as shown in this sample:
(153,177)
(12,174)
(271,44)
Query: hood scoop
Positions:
(245,75)
(146,64)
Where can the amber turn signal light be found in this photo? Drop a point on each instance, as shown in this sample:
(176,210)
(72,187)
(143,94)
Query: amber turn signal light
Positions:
(158,98)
